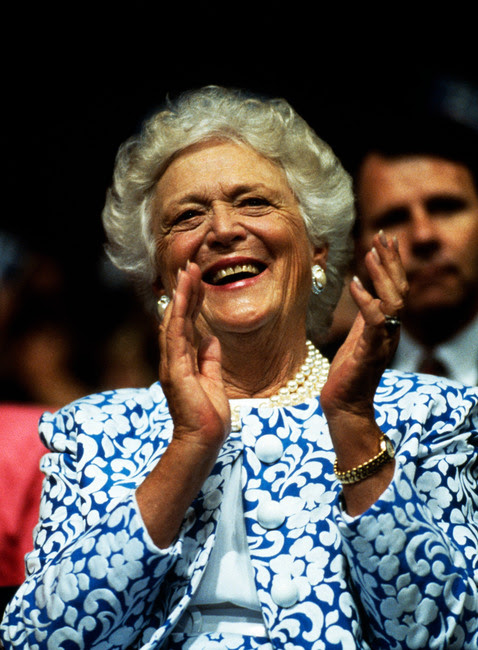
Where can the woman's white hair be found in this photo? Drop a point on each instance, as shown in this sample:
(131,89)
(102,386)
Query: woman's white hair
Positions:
(272,128)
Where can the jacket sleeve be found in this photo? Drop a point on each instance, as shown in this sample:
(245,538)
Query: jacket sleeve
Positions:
(413,556)
(94,573)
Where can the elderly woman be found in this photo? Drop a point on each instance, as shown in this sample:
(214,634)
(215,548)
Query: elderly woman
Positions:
(253,498)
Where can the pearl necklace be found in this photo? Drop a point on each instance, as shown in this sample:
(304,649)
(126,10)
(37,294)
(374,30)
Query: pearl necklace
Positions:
(307,383)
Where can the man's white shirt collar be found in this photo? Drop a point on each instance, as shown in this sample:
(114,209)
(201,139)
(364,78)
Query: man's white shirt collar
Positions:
(459,354)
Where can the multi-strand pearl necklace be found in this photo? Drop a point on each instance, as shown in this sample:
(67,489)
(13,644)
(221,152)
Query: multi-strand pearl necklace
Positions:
(307,383)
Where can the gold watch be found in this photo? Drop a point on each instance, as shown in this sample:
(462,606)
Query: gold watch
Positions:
(359,473)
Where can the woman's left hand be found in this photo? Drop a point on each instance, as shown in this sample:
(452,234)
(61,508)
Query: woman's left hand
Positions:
(347,397)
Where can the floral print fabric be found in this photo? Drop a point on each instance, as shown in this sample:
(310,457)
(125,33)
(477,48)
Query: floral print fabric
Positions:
(402,575)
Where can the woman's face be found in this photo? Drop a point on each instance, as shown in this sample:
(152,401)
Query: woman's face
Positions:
(231,211)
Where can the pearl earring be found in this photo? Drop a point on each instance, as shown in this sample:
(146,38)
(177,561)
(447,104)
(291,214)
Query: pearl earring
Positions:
(163,302)
(319,279)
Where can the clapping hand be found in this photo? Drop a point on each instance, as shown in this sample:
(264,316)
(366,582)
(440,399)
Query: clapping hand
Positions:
(372,341)
(190,368)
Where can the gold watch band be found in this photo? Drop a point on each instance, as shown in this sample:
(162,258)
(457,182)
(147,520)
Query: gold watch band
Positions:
(359,473)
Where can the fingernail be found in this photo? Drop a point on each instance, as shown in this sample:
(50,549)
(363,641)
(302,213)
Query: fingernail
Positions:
(395,242)
(375,254)
(383,239)
(357,281)
(188,264)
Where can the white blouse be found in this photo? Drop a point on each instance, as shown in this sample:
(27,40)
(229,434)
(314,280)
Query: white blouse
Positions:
(229,574)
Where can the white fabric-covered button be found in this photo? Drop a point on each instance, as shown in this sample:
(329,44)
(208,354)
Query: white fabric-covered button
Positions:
(270,514)
(284,591)
(269,448)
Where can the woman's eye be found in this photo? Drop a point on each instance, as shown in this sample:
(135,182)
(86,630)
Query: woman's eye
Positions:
(255,201)
(186,216)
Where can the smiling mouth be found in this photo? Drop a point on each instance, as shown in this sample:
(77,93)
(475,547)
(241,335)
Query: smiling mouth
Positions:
(235,273)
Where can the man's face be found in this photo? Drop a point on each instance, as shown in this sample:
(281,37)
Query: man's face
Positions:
(431,205)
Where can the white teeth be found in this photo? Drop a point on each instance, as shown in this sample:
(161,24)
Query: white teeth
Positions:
(232,270)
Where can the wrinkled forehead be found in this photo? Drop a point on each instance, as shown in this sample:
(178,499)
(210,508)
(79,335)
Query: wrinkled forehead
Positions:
(213,141)
(208,166)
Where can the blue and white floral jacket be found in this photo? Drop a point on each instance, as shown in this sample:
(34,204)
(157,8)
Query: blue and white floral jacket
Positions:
(402,575)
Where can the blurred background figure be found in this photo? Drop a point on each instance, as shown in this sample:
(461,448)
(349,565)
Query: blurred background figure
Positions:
(127,346)
(39,338)
(49,358)
(59,343)
(416,177)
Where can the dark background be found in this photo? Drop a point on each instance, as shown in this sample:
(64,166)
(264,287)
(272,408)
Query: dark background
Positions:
(80,79)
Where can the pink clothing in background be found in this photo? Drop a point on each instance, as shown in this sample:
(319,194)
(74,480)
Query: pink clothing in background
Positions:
(20,486)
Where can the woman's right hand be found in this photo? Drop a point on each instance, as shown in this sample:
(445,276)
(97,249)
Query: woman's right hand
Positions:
(190,374)
(190,368)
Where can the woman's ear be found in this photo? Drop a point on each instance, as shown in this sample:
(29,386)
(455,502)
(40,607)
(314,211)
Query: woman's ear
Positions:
(320,254)
(158,288)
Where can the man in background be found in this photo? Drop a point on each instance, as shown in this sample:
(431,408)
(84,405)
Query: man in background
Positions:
(418,182)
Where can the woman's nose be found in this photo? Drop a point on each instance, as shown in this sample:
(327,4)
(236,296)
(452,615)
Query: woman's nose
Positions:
(225,226)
